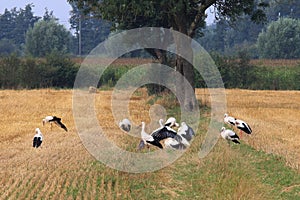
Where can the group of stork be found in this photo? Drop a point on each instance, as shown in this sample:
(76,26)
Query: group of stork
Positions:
(166,132)
(229,134)
(38,137)
(181,138)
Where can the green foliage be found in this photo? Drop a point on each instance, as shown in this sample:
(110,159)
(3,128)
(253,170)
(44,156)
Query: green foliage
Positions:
(280,40)
(58,71)
(54,71)
(231,38)
(112,74)
(9,72)
(237,72)
(187,17)
(7,47)
(92,31)
(15,23)
(283,8)
(46,37)
(228,37)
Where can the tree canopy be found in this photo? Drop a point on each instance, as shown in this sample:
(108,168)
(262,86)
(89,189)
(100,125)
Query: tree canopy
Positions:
(185,16)
(13,26)
(89,29)
(280,40)
(46,37)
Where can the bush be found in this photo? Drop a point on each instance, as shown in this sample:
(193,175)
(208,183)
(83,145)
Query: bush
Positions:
(54,71)
(239,73)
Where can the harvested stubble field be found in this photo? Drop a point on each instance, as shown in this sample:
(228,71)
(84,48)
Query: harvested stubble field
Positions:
(63,169)
(273,116)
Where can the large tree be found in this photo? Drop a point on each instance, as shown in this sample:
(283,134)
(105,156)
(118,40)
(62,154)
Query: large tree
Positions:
(14,25)
(280,40)
(185,16)
(46,37)
(89,30)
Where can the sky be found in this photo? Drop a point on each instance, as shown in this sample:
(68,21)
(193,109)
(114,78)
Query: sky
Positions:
(60,8)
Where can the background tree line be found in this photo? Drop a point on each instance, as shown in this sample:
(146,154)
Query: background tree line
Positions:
(24,34)
(280,30)
(227,37)
(26,64)
(60,72)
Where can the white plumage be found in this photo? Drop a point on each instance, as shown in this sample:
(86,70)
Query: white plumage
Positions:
(171,122)
(125,125)
(229,120)
(161,133)
(145,136)
(186,134)
(37,138)
(229,135)
(161,123)
(171,143)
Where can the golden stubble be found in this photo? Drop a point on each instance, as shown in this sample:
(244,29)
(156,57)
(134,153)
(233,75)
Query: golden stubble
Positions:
(273,116)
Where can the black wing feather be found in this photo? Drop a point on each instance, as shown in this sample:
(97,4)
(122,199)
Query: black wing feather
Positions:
(34,143)
(235,136)
(59,123)
(245,129)
(162,134)
(155,143)
(37,142)
(235,141)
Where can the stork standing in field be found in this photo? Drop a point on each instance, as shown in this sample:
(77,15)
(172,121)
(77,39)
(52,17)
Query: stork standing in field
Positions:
(125,125)
(243,126)
(37,138)
(56,120)
(229,135)
(156,136)
(146,138)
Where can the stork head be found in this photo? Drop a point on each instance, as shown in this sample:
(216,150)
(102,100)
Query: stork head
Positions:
(225,115)
(171,122)
(37,130)
(222,129)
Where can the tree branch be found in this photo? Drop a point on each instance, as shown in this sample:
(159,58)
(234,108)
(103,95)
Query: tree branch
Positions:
(199,16)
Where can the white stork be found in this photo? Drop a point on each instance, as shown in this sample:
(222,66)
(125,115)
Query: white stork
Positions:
(125,125)
(37,138)
(243,126)
(56,120)
(156,136)
(229,135)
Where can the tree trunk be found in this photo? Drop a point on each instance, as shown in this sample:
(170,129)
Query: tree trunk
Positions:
(183,66)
